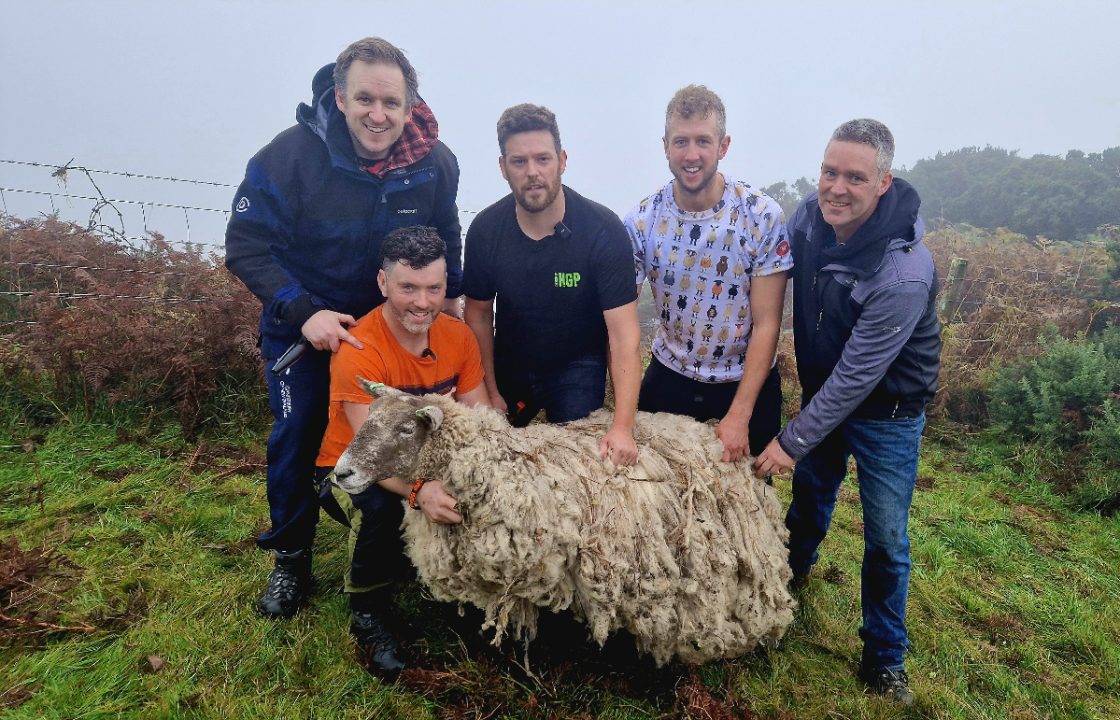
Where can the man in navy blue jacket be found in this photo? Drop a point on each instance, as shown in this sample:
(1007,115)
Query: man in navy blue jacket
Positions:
(868,346)
(305,237)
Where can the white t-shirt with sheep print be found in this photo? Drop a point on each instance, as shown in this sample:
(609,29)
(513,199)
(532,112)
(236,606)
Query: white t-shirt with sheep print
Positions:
(700,265)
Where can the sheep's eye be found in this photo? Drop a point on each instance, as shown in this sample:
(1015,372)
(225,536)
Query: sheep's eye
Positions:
(408,429)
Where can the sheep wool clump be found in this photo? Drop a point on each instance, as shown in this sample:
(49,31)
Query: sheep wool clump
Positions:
(683,551)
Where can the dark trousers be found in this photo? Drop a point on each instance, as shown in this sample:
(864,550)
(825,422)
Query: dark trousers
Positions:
(299,400)
(664,390)
(566,393)
(376,550)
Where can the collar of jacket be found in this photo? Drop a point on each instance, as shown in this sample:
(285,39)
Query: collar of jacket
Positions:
(893,218)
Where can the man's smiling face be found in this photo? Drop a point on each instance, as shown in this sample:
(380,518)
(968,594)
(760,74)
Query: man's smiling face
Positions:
(850,186)
(375,103)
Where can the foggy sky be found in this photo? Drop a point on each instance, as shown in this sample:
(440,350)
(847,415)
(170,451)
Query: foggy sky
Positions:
(193,89)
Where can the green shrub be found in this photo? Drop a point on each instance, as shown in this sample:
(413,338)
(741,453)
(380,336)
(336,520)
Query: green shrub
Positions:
(1067,395)
(1104,434)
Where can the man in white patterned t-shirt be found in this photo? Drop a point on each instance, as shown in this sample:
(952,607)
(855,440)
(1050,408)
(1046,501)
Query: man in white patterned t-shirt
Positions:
(716,256)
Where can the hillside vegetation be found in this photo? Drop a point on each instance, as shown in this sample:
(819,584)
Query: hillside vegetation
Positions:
(131,487)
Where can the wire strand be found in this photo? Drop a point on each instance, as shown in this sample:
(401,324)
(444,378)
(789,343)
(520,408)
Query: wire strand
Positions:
(102,296)
(53,195)
(142,176)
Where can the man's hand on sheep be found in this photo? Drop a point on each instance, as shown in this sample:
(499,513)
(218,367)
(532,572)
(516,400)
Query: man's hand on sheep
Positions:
(437,505)
(618,446)
(773,460)
(326,329)
(732,432)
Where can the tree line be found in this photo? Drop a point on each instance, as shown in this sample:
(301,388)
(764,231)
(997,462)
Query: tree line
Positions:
(1060,198)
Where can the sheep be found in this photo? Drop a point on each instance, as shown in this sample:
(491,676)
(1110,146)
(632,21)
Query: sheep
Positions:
(683,551)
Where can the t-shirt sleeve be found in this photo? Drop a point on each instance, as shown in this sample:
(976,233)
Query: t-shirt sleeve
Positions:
(470,372)
(772,250)
(477,281)
(637,244)
(350,362)
(615,265)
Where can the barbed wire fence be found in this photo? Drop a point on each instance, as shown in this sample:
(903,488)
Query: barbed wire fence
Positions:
(106,219)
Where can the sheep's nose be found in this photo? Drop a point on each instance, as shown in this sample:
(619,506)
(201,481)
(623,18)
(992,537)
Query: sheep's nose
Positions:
(341,474)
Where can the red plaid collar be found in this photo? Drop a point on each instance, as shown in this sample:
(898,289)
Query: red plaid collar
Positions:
(416,141)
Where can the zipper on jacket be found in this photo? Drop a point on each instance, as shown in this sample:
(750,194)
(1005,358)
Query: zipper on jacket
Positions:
(820,313)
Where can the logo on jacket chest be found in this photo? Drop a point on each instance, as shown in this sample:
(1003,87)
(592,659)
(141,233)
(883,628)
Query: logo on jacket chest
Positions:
(407,211)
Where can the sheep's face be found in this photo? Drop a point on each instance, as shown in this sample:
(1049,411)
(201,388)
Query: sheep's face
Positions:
(388,442)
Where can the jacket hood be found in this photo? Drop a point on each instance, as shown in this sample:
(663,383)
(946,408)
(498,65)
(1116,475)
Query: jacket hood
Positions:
(316,116)
(894,219)
(324,119)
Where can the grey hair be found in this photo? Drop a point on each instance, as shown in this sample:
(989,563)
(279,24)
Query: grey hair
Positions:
(696,101)
(377,50)
(873,133)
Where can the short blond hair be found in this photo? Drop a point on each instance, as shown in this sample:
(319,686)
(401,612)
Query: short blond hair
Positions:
(696,101)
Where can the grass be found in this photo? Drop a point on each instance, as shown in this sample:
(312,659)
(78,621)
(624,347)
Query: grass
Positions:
(1014,608)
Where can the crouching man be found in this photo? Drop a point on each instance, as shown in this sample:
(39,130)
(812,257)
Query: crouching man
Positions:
(407,344)
(868,349)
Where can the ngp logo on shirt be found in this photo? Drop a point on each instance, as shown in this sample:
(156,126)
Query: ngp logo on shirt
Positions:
(565,280)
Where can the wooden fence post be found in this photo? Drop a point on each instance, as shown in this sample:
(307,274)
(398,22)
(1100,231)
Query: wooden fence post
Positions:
(950,298)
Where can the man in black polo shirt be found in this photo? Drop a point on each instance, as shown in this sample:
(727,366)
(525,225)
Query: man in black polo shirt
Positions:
(562,270)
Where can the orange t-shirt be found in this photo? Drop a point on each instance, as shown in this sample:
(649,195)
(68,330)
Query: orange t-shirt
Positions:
(454,367)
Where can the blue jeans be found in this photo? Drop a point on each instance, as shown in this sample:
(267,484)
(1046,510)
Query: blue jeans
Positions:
(566,393)
(299,401)
(886,453)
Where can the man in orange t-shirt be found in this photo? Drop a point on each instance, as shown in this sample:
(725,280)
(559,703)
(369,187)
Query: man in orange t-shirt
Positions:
(409,345)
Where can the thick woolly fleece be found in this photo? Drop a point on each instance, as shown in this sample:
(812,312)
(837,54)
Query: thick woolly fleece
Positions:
(683,551)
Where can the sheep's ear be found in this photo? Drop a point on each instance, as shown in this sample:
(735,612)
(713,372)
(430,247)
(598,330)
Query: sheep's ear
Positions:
(376,390)
(432,415)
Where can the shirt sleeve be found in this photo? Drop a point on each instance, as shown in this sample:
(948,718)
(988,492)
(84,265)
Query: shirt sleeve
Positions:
(349,363)
(882,330)
(771,252)
(471,373)
(477,283)
(615,265)
(446,222)
(259,229)
(638,245)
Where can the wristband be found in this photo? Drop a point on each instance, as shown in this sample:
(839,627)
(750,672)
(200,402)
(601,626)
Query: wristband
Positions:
(416,489)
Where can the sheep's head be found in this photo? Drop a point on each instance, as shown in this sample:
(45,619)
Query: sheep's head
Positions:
(389,441)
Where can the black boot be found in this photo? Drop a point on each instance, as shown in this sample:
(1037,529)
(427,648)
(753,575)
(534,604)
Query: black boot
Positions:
(378,651)
(288,584)
(894,685)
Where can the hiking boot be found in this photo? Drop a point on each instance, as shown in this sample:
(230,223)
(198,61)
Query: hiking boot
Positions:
(894,685)
(288,584)
(378,651)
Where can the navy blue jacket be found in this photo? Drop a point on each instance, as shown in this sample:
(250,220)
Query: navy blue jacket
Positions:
(307,223)
(866,333)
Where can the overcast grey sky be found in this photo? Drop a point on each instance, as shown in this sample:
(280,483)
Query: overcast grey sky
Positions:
(193,89)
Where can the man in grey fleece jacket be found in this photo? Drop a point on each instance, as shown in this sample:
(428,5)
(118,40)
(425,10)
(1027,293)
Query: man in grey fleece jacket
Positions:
(868,345)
